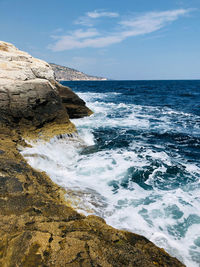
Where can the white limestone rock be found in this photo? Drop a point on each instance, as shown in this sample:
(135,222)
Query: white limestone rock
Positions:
(28,90)
(19,65)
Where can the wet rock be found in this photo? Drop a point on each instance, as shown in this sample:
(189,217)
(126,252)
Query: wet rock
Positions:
(74,105)
(37,228)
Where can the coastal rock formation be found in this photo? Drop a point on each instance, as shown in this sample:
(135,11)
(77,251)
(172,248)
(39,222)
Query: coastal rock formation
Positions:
(37,227)
(29,94)
(74,105)
(67,74)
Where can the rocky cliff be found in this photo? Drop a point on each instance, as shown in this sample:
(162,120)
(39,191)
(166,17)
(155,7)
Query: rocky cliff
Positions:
(30,96)
(37,227)
(67,74)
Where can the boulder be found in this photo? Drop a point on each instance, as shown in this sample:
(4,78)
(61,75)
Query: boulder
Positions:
(29,94)
(74,105)
(19,65)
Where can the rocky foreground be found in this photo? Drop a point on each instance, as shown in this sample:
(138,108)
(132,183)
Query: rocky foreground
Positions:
(37,228)
(68,74)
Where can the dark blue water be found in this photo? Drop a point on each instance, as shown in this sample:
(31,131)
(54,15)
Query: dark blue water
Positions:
(136,162)
(180,99)
(179,95)
(148,134)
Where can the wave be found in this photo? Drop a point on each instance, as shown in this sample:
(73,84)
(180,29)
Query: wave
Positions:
(128,189)
(137,166)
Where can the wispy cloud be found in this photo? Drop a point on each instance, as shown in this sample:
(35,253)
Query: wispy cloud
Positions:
(98,14)
(151,22)
(89,18)
(80,34)
(134,26)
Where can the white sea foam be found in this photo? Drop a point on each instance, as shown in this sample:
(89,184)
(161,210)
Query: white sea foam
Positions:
(140,211)
(140,117)
(169,218)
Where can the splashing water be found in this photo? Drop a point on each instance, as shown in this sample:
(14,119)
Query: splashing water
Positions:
(135,161)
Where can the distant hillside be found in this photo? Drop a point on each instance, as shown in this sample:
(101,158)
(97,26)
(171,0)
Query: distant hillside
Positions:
(67,74)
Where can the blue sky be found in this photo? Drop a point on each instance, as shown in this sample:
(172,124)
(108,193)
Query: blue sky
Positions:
(129,39)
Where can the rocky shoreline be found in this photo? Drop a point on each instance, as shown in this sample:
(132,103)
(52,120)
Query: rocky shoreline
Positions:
(37,226)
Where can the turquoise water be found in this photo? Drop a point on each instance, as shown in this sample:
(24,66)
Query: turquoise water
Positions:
(136,161)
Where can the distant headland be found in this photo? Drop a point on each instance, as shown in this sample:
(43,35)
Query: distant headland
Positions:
(63,73)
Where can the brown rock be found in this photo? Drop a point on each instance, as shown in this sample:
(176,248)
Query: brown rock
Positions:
(75,106)
(33,100)
(37,228)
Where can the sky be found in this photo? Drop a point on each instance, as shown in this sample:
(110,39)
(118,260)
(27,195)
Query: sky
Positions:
(117,39)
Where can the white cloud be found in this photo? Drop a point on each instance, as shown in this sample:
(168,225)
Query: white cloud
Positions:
(85,21)
(80,34)
(151,22)
(89,18)
(140,25)
(98,14)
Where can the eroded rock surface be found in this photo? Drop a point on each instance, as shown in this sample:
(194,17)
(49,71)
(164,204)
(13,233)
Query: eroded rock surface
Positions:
(74,105)
(37,228)
(29,94)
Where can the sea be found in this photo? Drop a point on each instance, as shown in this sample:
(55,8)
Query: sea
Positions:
(135,162)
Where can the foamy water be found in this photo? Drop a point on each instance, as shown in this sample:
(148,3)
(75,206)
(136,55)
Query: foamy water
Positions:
(117,170)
